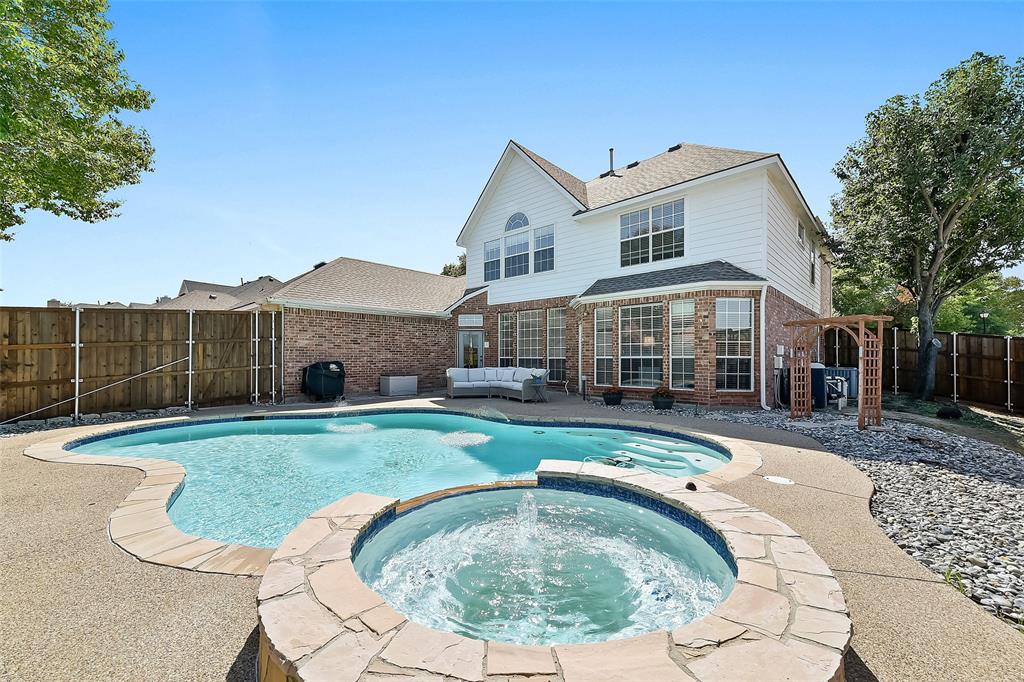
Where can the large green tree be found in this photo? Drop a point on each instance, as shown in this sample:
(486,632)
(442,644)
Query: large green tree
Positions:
(457,269)
(62,145)
(934,192)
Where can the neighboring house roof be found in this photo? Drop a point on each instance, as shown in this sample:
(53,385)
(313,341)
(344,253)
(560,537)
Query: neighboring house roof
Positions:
(714,271)
(359,285)
(199,300)
(188,285)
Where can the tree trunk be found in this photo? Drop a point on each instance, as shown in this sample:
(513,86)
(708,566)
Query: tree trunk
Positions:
(927,352)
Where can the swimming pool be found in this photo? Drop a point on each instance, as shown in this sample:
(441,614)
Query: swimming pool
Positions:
(251,482)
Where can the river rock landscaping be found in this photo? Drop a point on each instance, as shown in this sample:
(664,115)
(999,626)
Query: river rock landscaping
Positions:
(955,504)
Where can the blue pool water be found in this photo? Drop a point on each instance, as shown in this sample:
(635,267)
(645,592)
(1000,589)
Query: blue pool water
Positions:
(543,567)
(252,482)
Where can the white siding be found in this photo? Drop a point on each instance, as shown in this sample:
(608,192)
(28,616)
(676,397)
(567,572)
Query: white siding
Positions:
(789,262)
(724,221)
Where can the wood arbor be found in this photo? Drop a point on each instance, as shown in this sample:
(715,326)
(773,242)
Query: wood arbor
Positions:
(869,352)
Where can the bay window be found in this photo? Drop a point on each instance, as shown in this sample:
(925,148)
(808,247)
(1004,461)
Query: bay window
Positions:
(640,345)
(603,359)
(556,344)
(506,336)
(682,348)
(734,344)
(530,340)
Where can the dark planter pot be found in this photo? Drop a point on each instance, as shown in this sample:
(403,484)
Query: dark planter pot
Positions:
(663,403)
(612,398)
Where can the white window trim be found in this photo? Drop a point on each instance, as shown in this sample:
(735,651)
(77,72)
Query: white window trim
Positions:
(565,348)
(671,347)
(661,357)
(529,252)
(603,357)
(753,348)
(528,225)
(650,233)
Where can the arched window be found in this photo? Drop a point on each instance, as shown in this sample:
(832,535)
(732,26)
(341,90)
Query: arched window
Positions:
(517,221)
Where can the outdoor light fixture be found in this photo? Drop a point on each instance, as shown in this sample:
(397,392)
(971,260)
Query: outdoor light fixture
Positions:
(984,322)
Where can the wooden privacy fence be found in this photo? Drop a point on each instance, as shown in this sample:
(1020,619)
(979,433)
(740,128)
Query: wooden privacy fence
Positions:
(121,360)
(976,368)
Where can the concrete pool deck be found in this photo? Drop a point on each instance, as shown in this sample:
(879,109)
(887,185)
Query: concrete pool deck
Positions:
(77,607)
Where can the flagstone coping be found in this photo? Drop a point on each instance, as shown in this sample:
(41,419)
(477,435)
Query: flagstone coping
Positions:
(785,618)
(140,524)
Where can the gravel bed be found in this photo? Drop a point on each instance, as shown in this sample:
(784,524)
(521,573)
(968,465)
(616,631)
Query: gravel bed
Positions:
(954,503)
(33,425)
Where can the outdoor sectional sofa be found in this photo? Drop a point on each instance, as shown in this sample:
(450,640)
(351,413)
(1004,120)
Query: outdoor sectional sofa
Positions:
(507,382)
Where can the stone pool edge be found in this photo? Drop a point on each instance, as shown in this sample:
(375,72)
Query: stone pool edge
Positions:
(787,613)
(140,525)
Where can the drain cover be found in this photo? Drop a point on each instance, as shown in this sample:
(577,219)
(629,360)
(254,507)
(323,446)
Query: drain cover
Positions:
(781,480)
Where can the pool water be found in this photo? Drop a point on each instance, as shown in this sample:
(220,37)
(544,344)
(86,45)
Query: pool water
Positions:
(252,482)
(543,567)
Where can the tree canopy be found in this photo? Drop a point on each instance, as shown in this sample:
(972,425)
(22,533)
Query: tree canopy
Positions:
(457,269)
(933,195)
(62,145)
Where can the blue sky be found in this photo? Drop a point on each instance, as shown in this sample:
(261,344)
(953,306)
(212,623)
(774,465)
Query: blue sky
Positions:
(290,133)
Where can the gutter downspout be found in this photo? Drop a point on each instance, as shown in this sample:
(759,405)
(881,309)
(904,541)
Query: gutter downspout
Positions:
(764,400)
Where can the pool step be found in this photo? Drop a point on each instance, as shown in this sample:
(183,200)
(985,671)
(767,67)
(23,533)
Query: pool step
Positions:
(668,444)
(659,453)
(654,462)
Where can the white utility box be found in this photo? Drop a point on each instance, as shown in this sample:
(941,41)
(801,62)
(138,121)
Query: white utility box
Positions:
(398,385)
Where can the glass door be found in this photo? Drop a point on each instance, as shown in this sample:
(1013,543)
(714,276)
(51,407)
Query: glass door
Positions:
(471,349)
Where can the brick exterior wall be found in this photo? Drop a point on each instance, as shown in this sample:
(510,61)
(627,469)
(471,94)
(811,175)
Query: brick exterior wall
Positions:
(779,309)
(369,345)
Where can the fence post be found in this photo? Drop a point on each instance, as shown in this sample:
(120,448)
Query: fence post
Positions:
(1009,377)
(273,358)
(256,358)
(188,405)
(837,347)
(78,358)
(955,353)
(895,362)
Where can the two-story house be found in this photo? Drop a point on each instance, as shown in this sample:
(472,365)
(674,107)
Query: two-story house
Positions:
(677,270)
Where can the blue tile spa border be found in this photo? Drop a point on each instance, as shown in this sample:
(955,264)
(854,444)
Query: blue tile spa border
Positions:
(673,513)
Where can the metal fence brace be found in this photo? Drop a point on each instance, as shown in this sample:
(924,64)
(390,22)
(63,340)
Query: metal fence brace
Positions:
(895,361)
(78,360)
(1009,376)
(191,344)
(954,356)
(273,357)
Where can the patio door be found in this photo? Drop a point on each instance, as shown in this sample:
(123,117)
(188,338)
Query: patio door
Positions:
(471,349)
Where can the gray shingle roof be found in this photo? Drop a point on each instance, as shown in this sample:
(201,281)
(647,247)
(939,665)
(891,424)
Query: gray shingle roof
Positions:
(715,271)
(684,163)
(200,300)
(348,282)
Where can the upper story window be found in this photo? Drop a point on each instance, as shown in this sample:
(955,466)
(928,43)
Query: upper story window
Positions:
(652,234)
(544,249)
(801,232)
(517,254)
(814,262)
(492,260)
(517,221)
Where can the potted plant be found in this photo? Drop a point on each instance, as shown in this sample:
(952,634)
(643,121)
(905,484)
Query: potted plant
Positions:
(612,396)
(662,398)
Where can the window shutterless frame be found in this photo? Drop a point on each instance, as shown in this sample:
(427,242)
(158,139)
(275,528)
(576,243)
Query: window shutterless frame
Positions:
(733,316)
(604,317)
(638,234)
(641,356)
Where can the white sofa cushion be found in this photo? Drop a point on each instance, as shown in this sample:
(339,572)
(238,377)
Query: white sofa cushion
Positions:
(481,384)
(522,374)
(492,374)
(514,385)
(462,384)
(507,374)
(477,374)
(458,374)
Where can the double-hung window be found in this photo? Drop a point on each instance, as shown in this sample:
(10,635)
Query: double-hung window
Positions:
(667,230)
(652,234)
(634,233)
(814,262)
(517,254)
(556,344)
(544,249)
(604,374)
(506,339)
(640,345)
(681,343)
(530,341)
(734,344)
(492,260)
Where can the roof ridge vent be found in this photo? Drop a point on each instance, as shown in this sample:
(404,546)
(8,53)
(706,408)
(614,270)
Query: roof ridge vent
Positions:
(633,165)
(676,147)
